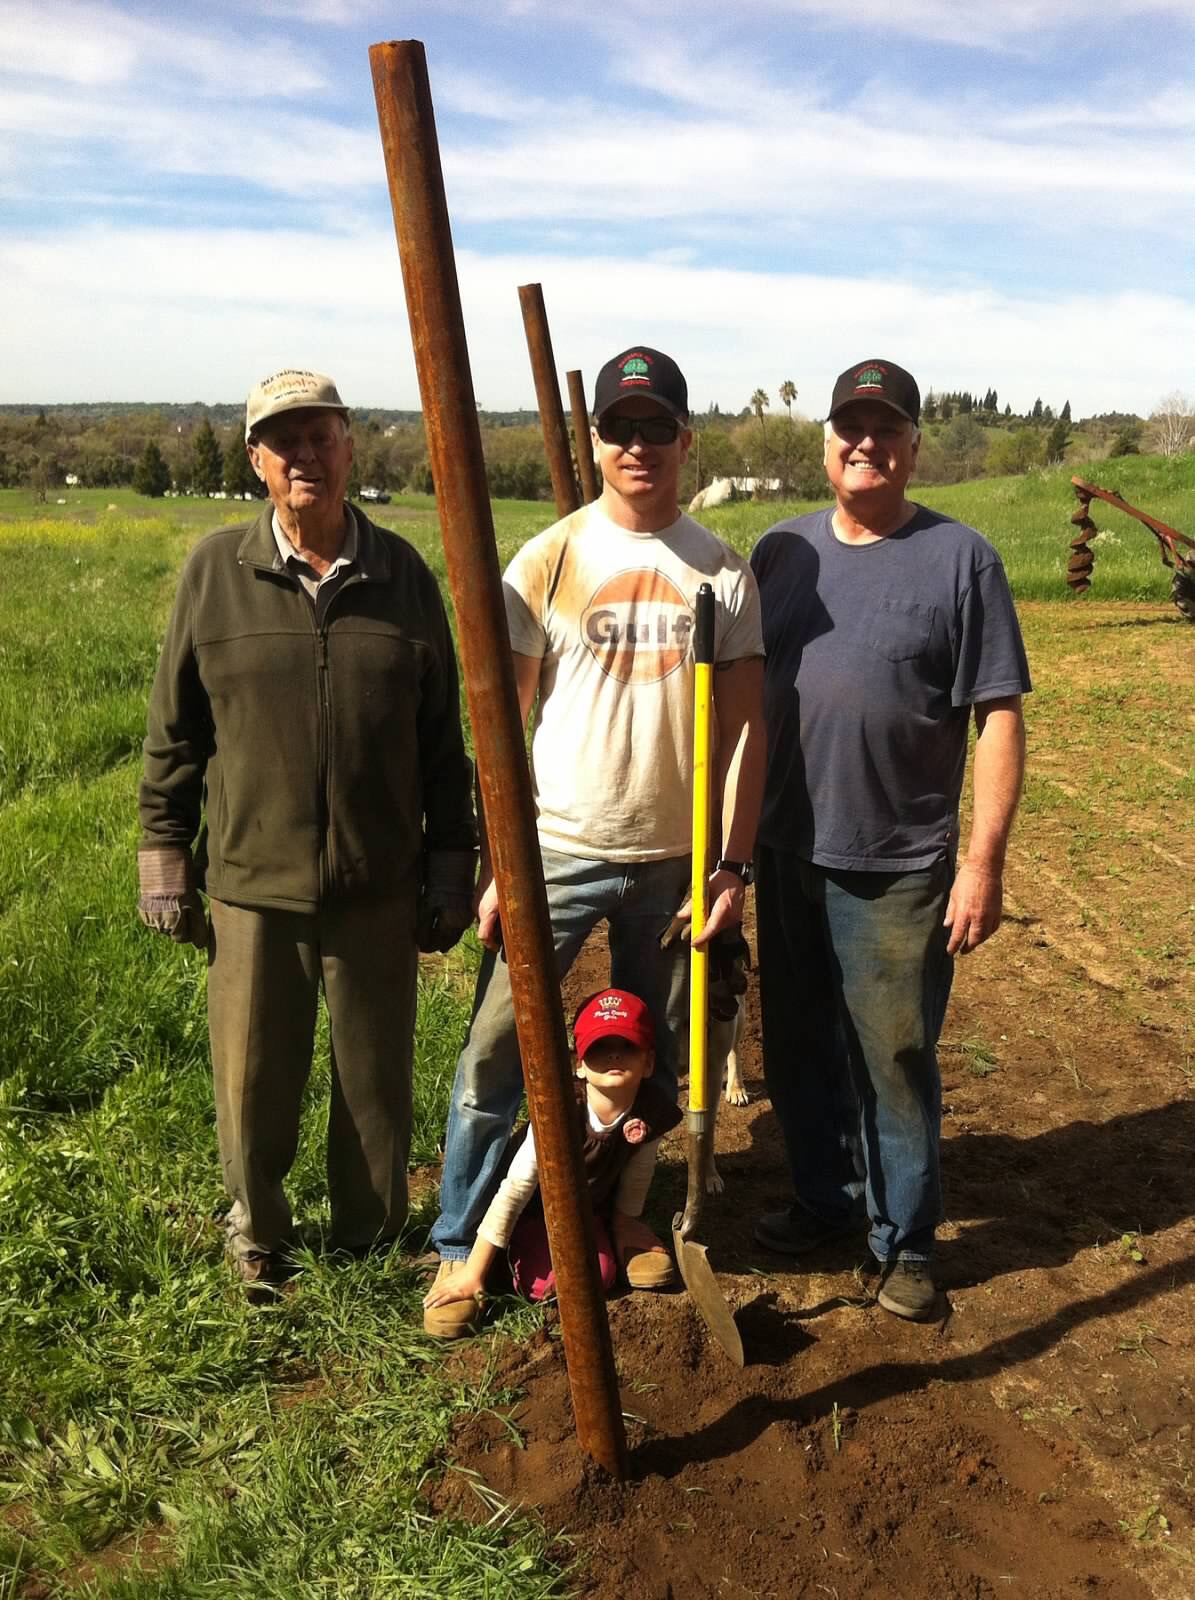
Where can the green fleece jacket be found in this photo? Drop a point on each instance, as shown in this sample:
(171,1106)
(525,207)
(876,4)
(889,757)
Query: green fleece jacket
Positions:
(321,760)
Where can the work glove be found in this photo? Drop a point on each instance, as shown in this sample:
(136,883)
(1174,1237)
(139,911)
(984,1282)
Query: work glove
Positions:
(170,903)
(445,907)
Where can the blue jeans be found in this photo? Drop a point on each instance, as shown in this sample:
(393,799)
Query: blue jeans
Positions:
(854,980)
(638,900)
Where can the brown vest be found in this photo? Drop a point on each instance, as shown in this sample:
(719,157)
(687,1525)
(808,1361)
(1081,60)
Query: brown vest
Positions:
(606,1154)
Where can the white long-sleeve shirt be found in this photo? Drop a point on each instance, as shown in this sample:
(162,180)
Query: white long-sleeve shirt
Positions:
(522,1180)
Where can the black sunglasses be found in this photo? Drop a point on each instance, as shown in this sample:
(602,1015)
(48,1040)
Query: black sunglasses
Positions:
(652,430)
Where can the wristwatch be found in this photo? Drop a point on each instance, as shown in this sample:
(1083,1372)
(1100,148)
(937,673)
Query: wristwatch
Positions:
(741,869)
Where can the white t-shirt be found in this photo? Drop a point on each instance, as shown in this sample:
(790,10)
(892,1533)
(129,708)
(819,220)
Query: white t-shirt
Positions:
(610,614)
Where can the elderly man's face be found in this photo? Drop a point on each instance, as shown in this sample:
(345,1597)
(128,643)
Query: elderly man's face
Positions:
(303,458)
(639,470)
(871,449)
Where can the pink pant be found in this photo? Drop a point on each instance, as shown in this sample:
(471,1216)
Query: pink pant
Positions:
(531,1260)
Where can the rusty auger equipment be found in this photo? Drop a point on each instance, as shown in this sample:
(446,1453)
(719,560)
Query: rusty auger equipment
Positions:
(1170,546)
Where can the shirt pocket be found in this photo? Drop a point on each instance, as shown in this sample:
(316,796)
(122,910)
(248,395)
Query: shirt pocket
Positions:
(900,629)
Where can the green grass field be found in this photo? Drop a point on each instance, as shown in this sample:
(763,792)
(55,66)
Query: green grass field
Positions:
(1028,520)
(159,1436)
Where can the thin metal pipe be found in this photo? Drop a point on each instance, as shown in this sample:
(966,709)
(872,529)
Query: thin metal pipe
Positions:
(581,437)
(416,183)
(547,397)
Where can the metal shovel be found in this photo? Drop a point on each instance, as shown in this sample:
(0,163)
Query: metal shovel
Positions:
(691,1257)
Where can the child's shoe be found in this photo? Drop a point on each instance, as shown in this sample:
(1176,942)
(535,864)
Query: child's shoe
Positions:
(651,1269)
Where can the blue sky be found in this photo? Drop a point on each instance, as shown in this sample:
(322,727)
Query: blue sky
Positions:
(992,194)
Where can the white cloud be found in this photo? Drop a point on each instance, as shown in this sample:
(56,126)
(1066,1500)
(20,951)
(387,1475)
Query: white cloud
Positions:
(1016,26)
(202,314)
(99,45)
(330,13)
(759,152)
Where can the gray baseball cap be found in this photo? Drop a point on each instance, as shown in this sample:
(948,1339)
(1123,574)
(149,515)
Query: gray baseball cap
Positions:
(291,390)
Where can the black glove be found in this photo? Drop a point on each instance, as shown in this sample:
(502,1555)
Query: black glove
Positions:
(445,907)
(729,964)
(170,903)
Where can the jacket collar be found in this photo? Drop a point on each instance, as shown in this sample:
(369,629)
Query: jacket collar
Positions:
(258,549)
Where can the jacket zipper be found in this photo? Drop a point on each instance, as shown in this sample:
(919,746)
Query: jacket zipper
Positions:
(327,872)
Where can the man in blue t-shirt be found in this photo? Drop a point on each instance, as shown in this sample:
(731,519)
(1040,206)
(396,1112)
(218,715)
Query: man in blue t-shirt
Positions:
(885,625)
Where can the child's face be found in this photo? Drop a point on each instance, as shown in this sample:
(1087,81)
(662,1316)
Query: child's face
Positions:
(612,1063)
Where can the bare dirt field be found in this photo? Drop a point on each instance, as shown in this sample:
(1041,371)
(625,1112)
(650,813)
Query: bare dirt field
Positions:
(1039,1441)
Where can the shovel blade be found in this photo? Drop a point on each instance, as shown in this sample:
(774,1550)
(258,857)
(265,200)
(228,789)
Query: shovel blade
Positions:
(693,1260)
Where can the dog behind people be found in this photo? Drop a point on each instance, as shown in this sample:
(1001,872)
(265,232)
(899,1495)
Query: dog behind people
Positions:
(729,965)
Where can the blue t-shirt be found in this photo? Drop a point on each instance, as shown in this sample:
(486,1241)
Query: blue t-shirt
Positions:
(874,655)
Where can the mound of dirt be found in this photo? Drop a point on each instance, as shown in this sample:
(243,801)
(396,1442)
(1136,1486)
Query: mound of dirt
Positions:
(776,1481)
(1037,1443)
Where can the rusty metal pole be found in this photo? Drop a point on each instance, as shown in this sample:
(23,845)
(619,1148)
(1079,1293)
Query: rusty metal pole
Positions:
(547,397)
(421,224)
(584,444)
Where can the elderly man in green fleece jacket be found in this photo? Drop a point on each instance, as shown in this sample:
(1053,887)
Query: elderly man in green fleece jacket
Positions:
(304,765)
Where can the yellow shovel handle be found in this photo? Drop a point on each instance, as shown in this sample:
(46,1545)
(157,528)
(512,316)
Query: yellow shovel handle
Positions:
(699,1096)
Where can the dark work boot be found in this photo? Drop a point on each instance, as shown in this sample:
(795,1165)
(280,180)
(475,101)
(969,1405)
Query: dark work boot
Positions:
(794,1231)
(908,1290)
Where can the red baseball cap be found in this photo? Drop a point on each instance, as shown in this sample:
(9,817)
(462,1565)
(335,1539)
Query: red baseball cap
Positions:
(613,1014)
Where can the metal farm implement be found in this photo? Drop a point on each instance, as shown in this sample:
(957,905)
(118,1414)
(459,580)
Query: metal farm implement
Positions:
(1170,543)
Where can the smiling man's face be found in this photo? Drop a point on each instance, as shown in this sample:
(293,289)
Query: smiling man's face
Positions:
(870,450)
(303,458)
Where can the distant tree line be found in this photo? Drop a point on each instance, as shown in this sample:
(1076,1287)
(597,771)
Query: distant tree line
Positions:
(198,449)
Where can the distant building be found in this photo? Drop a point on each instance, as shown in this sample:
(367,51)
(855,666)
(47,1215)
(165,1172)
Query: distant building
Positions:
(723,490)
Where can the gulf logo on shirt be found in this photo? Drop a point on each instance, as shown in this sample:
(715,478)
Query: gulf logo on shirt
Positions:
(637,626)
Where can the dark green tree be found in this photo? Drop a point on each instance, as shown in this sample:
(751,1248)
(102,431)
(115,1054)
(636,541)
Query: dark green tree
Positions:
(239,476)
(1127,441)
(1037,409)
(714,455)
(963,445)
(152,476)
(207,461)
(1065,414)
(1056,443)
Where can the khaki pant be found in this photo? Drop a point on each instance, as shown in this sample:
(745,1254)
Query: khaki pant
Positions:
(265,971)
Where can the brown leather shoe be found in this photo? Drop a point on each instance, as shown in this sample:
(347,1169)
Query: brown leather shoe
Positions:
(459,1318)
(265,1275)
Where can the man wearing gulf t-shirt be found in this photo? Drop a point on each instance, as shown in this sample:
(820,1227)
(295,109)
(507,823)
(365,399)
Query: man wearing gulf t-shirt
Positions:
(600,610)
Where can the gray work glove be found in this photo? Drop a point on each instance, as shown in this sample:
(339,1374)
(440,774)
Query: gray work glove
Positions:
(170,903)
(446,898)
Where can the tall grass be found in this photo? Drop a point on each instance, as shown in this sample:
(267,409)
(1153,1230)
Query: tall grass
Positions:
(227,1449)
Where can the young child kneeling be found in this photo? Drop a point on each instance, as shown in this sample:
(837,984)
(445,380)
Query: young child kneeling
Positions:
(622,1118)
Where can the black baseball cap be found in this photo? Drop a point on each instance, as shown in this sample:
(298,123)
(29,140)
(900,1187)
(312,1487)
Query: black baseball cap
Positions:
(879,380)
(642,370)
